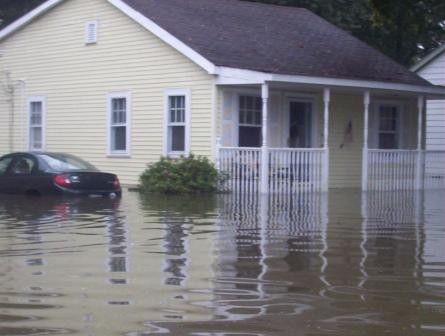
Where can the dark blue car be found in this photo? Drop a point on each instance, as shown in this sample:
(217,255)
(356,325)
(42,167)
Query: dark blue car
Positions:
(54,173)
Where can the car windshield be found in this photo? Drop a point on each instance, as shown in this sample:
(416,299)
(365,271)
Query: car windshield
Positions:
(63,162)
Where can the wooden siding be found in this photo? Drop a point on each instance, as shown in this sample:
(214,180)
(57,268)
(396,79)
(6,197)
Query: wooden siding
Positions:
(51,56)
(435,121)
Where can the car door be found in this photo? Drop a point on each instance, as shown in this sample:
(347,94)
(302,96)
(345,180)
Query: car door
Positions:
(5,163)
(20,177)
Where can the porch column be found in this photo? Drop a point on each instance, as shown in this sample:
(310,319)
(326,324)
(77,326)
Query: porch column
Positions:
(264,150)
(366,101)
(420,105)
(326,100)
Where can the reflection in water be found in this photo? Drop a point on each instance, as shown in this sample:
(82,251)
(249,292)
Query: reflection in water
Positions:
(270,239)
(343,263)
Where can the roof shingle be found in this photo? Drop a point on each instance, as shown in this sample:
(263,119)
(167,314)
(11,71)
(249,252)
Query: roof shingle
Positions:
(272,39)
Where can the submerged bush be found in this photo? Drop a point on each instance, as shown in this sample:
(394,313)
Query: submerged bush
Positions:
(192,174)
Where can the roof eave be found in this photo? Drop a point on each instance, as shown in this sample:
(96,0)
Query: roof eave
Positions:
(27,18)
(428,59)
(234,76)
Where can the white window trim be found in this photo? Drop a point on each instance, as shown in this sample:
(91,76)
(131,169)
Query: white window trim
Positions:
(127,96)
(401,111)
(187,94)
(96,27)
(36,99)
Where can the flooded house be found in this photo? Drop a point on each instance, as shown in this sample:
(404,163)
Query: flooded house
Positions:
(280,99)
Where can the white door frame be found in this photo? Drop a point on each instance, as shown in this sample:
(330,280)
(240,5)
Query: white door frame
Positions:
(314,117)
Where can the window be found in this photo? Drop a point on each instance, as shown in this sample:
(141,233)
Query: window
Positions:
(389,126)
(36,108)
(4,163)
(177,116)
(250,118)
(119,108)
(66,162)
(22,166)
(91,32)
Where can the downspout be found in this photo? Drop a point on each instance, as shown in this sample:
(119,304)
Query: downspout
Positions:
(8,89)
(23,109)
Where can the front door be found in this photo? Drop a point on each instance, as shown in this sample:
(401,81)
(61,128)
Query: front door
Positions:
(300,124)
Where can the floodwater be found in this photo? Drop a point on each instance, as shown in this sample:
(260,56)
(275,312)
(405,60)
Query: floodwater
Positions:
(343,263)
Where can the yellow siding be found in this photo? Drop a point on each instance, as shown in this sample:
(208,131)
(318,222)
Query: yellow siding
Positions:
(345,169)
(51,56)
(345,163)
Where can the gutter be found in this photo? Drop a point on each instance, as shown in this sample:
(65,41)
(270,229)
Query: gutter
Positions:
(233,76)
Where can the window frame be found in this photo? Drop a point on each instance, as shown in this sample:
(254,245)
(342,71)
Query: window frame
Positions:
(238,116)
(128,113)
(42,101)
(167,124)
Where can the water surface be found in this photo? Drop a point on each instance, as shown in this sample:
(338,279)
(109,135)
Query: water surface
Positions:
(343,263)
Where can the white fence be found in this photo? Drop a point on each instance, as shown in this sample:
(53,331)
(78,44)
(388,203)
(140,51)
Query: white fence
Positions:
(290,170)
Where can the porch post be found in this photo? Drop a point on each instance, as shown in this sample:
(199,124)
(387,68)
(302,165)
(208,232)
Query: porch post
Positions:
(366,101)
(264,150)
(326,100)
(420,104)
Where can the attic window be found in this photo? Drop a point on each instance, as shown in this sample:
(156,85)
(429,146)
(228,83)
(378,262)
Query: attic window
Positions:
(91,32)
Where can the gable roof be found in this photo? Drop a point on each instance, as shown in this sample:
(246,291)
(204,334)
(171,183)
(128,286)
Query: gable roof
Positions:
(428,58)
(272,39)
(255,36)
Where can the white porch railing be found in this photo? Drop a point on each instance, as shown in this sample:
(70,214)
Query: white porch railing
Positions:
(434,170)
(294,170)
(398,169)
(392,169)
(290,170)
(241,167)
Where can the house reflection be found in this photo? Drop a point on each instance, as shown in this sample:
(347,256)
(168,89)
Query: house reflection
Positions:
(286,254)
(268,246)
(175,241)
(178,215)
(117,233)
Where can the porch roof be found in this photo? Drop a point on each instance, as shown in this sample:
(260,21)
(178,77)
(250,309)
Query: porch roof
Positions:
(239,77)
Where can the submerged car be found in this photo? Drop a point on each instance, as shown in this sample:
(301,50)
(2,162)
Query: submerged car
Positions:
(42,173)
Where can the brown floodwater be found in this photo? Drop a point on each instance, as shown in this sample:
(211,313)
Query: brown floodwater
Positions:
(343,263)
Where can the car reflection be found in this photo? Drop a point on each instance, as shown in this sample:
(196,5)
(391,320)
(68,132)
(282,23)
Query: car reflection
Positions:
(22,210)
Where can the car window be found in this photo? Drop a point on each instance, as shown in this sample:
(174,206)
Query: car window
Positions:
(63,162)
(22,166)
(4,163)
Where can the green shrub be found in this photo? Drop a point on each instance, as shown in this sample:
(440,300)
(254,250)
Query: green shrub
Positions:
(192,174)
